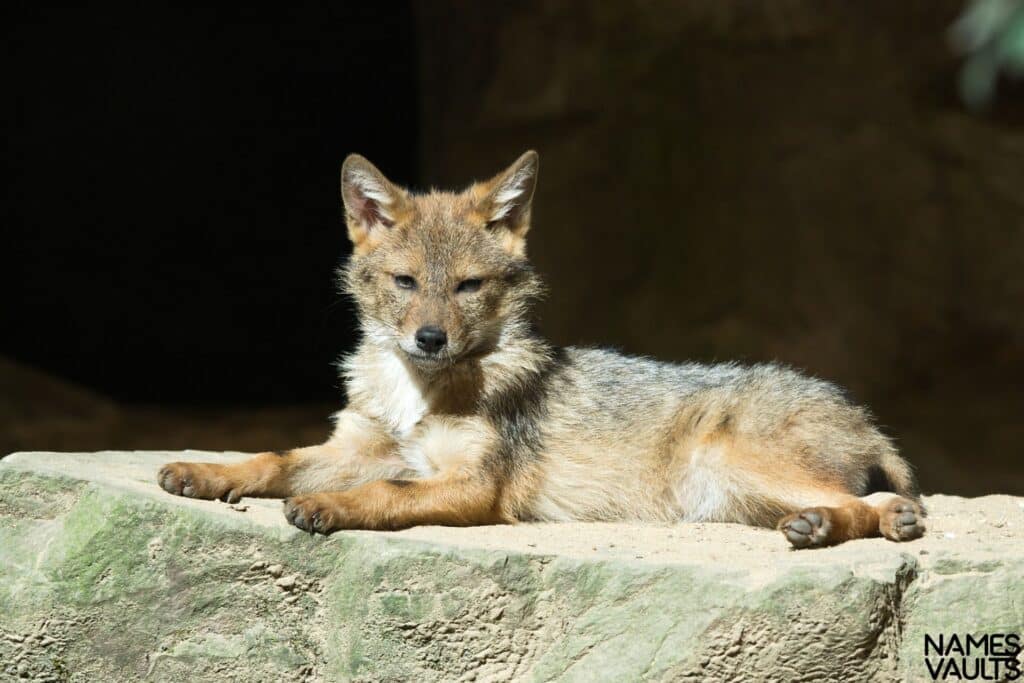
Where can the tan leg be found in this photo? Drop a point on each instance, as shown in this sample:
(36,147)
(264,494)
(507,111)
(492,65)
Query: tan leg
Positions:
(889,515)
(358,451)
(398,504)
(263,475)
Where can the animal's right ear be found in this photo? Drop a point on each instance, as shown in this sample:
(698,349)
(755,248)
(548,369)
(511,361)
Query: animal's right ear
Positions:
(373,204)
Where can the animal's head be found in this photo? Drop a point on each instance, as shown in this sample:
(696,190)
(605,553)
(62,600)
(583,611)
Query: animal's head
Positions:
(441,276)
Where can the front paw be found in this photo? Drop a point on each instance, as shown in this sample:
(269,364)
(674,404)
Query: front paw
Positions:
(198,480)
(317,513)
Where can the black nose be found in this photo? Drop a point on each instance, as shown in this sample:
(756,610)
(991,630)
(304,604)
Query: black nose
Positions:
(431,339)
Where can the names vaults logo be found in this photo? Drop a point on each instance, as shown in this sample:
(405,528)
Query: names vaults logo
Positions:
(966,657)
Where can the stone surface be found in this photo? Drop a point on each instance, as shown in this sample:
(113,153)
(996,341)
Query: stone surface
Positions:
(105,577)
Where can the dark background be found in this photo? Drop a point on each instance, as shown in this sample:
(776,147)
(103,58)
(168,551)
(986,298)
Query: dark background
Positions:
(731,180)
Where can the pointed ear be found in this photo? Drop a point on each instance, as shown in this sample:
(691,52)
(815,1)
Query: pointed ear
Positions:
(372,202)
(509,194)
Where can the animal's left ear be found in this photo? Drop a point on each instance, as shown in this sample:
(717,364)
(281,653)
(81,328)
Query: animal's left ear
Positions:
(507,196)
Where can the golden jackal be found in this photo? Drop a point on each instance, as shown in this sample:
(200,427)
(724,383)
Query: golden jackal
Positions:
(459,413)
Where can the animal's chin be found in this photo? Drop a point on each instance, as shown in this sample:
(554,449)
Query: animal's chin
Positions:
(429,361)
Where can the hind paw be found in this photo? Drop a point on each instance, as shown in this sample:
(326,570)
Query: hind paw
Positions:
(808,528)
(901,519)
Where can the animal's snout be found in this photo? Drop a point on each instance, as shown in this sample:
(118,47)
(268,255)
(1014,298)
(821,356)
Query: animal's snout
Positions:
(431,338)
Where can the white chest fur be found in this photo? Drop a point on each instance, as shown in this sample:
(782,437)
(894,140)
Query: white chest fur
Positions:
(388,391)
(384,388)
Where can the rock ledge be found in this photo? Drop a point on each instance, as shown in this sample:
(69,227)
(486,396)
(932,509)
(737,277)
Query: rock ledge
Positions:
(105,577)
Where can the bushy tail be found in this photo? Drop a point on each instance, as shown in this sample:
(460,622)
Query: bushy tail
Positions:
(893,473)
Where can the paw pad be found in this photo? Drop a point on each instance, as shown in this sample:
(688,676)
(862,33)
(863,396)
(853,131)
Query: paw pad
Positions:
(805,529)
(902,522)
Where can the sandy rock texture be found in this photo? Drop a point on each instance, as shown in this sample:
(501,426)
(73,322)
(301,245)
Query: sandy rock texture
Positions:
(105,577)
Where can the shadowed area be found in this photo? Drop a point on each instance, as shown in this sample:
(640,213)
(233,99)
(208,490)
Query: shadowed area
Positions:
(800,182)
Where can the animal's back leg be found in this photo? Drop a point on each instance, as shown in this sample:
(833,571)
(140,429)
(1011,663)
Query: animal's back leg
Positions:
(886,514)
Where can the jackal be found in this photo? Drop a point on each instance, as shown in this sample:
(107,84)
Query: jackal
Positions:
(460,413)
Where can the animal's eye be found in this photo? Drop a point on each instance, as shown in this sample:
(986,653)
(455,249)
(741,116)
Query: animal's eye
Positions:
(405,282)
(469,286)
